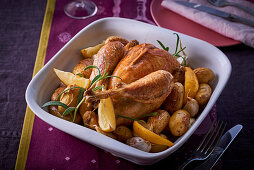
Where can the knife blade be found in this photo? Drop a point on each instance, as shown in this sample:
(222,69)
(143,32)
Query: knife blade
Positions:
(223,144)
(227,16)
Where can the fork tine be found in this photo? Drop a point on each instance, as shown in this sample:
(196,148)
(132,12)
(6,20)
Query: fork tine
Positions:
(208,143)
(211,136)
(215,133)
(204,138)
(214,143)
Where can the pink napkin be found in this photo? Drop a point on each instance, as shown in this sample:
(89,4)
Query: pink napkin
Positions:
(234,30)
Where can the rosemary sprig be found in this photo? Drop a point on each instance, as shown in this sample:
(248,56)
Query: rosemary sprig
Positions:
(58,103)
(80,75)
(98,87)
(177,42)
(76,108)
(80,94)
(184,60)
(162,46)
(81,98)
(80,89)
(68,111)
(129,118)
(99,76)
(93,82)
(55,103)
(140,117)
(149,114)
(176,53)
(93,67)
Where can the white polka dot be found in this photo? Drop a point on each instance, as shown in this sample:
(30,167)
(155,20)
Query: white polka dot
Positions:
(50,129)
(93,161)
(118,161)
(67,158)
(64,37)
(101,10)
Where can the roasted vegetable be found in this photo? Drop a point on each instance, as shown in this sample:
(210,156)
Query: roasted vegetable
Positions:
(191,107)
(191,84)
(55,111)
(139,143)
(174,101)
(158,148)
(179,122)
(159,122)
(90,119)
(204,75)
(123,133)
(79,68)
(204,93)
(89,52)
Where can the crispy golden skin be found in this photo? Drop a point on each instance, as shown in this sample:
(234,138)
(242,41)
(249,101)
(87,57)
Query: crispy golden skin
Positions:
(140,61)
(112,52)
(79,68)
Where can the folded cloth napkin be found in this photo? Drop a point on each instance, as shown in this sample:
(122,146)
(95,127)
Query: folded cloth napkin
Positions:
(234,30)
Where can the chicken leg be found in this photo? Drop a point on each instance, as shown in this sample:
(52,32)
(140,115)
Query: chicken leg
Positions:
(112,52)
(146,90)
(139,97)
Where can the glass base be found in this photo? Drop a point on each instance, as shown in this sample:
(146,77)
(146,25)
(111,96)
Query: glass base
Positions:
(80,9)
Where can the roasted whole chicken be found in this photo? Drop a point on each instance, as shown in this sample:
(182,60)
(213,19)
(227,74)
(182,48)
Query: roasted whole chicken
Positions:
(147,77)
(135,93)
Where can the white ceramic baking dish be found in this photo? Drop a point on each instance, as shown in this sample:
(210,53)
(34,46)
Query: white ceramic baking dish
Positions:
(200,53)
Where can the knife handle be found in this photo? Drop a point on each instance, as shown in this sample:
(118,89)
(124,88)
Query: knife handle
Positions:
(236,18)
(246,9)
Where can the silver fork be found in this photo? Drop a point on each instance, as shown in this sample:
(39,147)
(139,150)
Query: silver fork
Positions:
(222,3)
(208,143)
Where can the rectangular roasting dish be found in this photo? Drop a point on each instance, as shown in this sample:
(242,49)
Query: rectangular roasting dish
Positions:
(200,53)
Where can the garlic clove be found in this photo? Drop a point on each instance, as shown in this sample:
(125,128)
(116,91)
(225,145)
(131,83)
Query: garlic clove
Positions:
(139,143)
(191,106)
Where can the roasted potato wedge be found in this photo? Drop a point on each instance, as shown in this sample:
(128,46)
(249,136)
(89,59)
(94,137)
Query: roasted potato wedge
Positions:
(89,52)
(90,119)
(179,122)
(158,123)
(204,93)
(123,133)
(204,75)
(79,68)
(174,101)
(54,110)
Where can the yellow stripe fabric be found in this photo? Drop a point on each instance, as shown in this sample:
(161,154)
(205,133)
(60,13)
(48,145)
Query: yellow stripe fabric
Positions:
(40,59)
